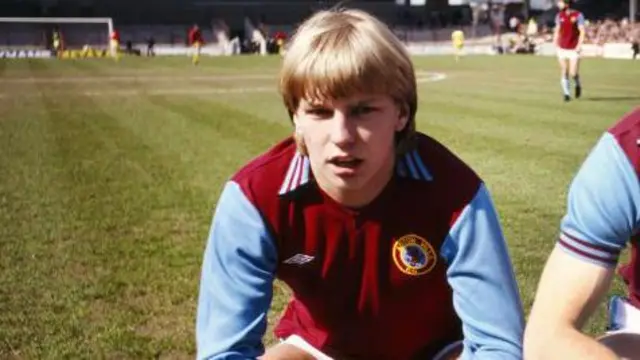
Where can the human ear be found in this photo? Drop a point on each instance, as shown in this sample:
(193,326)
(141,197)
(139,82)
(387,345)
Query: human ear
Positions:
(403,119)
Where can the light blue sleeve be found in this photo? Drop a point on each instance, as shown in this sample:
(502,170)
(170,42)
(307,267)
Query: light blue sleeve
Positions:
(236,281)
(602,205)
(557,22)
(485,292)
(580,20)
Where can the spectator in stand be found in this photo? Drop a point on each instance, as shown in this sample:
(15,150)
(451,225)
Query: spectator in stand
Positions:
(514,22)
(609,31)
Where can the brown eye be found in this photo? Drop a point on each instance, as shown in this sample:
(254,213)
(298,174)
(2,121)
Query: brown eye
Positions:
(319,112)
(362,110)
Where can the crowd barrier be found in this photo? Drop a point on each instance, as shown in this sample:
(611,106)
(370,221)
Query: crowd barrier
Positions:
(168,50)
(24,53)
(607,51)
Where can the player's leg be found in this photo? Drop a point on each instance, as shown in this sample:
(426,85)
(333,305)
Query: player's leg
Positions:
(196,53)
(564,76)
(115,50)
(626,345)
(623,329)
(56,48)
(451,351)
(574,67)
(457,50)
(622,315)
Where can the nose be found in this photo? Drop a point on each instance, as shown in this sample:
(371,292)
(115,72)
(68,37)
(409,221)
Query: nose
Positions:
(342,130)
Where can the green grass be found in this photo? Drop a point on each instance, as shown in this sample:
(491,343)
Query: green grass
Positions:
(109,174)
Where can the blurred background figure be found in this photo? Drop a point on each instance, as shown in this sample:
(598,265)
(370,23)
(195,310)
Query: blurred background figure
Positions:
(115,45)
(151,42)
(195,41)
(457,38)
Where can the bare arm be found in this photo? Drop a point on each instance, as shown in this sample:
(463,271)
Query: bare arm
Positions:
(583,33)
(602,213)
(296,348)
(568,293)
(556,35)
(286,352)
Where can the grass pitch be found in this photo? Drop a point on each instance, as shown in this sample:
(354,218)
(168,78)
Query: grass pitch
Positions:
(109,174)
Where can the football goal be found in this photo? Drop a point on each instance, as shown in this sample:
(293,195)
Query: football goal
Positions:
(40,33)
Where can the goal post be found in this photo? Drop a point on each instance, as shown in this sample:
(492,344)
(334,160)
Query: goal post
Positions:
(76,32)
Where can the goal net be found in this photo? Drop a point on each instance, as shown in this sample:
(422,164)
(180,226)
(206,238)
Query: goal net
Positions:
(51,34)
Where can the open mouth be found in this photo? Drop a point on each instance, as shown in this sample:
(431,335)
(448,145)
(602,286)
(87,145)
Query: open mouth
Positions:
(347,162)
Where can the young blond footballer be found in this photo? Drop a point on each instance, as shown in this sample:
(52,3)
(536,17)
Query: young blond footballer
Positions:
(390,243)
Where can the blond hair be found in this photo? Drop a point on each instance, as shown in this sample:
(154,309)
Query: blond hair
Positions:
(337,53)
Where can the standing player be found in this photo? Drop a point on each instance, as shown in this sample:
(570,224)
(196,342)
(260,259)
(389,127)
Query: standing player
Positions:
(602,218)
(151,42)
(115,44)
(568,37)
(56,42)
(390,243)
(196,41)
(457,39)
(281,38)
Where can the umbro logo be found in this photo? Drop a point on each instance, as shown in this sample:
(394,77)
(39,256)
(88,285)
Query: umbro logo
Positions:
(299,259)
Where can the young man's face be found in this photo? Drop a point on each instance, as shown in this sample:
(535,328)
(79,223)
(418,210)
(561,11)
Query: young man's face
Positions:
(561,5)
(350,141)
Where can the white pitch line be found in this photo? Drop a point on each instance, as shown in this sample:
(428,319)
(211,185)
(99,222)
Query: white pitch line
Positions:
(131,92)
(423,76)
(116,78)
(177,91)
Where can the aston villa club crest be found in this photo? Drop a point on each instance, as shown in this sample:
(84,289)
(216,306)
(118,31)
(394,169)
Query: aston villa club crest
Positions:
(413,255)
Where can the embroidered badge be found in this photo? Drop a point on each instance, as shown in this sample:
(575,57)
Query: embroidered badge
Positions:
(413,255)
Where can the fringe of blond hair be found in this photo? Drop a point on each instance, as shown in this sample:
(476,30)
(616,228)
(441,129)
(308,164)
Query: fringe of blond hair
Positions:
(340,52)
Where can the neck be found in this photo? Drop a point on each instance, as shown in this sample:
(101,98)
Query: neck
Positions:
(361,197)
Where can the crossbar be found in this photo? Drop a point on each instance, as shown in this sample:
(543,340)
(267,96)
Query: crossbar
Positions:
(67,20)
